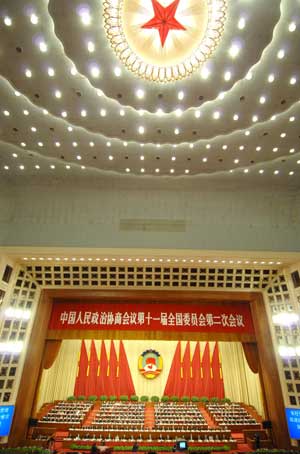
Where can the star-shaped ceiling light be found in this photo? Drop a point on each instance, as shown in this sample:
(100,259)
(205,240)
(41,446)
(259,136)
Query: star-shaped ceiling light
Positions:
(164,19)
(182,43)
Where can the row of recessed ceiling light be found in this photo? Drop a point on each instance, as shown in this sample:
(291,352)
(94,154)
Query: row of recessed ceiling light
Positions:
(157,170)
(137,259)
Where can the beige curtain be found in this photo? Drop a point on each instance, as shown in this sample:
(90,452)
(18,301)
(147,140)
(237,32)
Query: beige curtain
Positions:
(240,383)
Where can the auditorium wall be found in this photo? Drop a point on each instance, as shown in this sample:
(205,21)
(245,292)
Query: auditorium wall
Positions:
(70,215)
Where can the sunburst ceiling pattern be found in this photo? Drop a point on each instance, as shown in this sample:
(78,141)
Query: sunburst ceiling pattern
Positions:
(68,104)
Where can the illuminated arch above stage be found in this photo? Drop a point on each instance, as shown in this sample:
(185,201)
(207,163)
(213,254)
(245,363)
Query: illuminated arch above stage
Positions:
(164,41)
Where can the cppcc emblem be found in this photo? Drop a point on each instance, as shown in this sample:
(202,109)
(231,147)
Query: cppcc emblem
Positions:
(150,364)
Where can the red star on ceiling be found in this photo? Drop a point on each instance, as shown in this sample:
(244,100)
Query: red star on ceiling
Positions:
(164,19)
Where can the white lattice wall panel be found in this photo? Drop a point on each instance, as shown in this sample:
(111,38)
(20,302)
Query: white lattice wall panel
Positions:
(163,277)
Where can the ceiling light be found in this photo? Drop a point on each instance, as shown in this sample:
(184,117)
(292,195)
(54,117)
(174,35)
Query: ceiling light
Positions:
(52,167)
(204,159)
(285,318)
(291,119)
(186,171)
(95,71)
(283,134)
(173,158)
(275,149)
(23,144)
(34,19)
(91,46)
(293,80)
(208,146)
(91,144)
(227,75)
(110,157)
(241,147)
(57,144)
(37,167)
(249,75)
(57,94)
(191,145)
(178,112)
(172,170)
(83,113)
(140,93)
(125,144)
(197,113)
(127,169)
(85,17)
(241,23)
(273,117)
(216,115)
(78,157)
(236,161)
(258,148)
(14,155)
(43,46)
(292,150)
(261,171)
(247,133)
(6,168)
(108,144)
(262,99)
(176,131)
(28,73)
(122,112)
(33,128)
(291,173)
(235,117)
(68,167)
(64,114)
(45,112)
(157,170)
(75,144)
(73,71)
(103,112)
(254,118)
(117,71)
(142,170)
(276,172)
(6,113)
(246,170)
(280,54)
(234,50)
(21,167)
(142,158)
(221,95)
(180,95)
(292,27)
(224,147)
(50,72)
(141,129)
(7,20)
(271,78)
(40,144)
(17,93)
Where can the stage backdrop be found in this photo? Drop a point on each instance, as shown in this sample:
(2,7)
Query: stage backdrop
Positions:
(62,379)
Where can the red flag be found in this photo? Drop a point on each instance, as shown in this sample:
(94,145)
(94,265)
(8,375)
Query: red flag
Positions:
(113,371)
(102,379)
(125,379)
(196,372)
(218,385)
(172,387)
(80,383)
(206,372)
(91,386)
(186,367)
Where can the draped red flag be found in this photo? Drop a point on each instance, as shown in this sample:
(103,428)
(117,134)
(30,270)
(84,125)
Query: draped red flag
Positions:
(186,380)
(174,379)
(125,379)
(113,371)
(196,372)
(102,379)
(80,383)
(91,385)
(218,385)
(206,372)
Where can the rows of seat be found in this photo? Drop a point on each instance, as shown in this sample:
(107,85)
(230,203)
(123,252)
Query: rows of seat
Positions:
(174,415)
(116,415)
(230,415)
(67,413)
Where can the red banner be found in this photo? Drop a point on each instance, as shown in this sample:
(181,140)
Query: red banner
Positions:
(220,318)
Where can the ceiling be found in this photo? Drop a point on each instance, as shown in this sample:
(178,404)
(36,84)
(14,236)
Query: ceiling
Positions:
(69,106)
